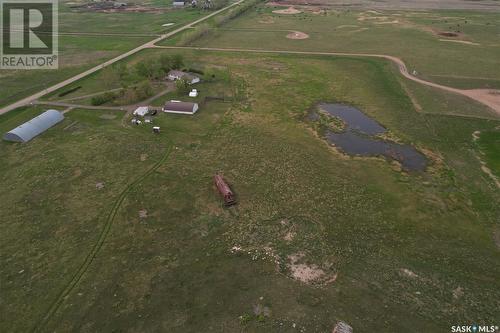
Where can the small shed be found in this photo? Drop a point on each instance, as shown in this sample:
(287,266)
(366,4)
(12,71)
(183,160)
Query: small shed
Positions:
(178,3)
(193,93)
(27,131)
(141,111)
(180,107)
(174,75)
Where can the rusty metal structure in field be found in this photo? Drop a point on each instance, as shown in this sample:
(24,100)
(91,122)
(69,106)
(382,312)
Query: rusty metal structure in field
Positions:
(224,190)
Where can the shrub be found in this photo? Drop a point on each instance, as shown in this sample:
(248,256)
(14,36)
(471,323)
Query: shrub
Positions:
(102,99)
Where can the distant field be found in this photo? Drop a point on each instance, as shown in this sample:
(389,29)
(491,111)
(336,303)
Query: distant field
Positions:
(469,60)
(484,5)
(403,252)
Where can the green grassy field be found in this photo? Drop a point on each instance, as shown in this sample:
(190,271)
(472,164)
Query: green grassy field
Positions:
(410,35)
(402,252)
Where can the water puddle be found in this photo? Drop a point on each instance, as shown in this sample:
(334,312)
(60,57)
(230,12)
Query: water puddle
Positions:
(357,136)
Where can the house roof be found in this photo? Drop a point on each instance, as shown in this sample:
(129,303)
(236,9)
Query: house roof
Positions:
(141,110)
(34,127)
(180,106)
(182,74)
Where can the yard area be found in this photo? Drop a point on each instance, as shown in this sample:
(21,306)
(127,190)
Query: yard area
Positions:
(378,245)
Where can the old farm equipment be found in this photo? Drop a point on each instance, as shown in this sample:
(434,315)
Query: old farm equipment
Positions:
(224,190)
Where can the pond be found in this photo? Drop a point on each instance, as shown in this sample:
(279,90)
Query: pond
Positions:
(359,137)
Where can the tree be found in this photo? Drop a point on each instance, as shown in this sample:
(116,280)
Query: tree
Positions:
(209,74)
(182,86)
(165,62)
(177,61)
(143,69)
(144,90)
(110,77)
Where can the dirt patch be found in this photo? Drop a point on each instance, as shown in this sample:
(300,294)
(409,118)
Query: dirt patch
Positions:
(489,97)
(407,273)
(388,22)
(458,292)
(448,34)
(347,26)
(288,11)
(266,20)
(289,236)
(108,116)
(303,272)
(459,41)
(297,35)
(260,310)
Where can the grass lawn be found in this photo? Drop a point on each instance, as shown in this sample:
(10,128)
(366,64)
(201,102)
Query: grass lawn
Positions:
(401,252)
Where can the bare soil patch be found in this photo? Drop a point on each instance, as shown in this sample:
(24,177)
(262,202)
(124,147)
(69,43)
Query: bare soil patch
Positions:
(490,97)
(459,41)
(288,11)
(143,213)
(303,272)
(448,34)
(408,273)
(266,20)
(297,35)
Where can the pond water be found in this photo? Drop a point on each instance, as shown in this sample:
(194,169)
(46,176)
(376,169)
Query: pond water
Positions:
(359,139)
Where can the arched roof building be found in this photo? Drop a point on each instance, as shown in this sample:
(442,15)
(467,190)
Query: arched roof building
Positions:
(34,127)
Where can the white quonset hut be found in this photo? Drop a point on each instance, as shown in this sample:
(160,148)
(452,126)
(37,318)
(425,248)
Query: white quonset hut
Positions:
(34,127)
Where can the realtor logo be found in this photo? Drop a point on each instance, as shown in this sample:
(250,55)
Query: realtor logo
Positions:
(29,34)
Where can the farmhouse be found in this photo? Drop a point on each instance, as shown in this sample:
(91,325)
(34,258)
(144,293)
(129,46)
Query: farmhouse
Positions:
(34,127)
(177,75)
(180,107)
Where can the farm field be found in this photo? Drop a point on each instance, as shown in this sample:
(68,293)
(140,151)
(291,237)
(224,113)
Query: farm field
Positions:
(107,226)
(192,265)
(467,61)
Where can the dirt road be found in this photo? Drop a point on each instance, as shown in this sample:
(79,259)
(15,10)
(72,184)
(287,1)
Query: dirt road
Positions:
(29,99)
(488,97)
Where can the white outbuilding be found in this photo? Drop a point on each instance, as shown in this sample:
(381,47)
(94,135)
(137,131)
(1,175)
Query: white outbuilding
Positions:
(193,93)
(141,111)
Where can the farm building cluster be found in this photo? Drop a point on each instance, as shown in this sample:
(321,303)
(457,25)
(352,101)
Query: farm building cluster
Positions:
(172,106)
